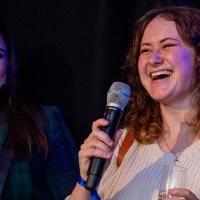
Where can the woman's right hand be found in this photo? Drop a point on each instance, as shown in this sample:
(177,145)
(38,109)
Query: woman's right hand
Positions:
(98,144)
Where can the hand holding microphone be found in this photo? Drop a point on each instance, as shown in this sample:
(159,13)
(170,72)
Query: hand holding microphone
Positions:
(117,98)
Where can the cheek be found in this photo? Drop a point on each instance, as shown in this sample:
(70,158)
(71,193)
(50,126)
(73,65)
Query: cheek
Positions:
(186,58)
(187,68)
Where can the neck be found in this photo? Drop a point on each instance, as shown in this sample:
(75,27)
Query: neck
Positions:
(177,133)
(176,121)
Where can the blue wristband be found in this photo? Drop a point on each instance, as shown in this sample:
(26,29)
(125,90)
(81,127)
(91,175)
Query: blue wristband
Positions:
(94,194)
(81,181)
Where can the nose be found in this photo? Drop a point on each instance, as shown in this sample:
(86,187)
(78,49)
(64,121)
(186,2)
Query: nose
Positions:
(156,57)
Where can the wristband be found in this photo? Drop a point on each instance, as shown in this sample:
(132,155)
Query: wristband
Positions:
(81,181)
(94,194)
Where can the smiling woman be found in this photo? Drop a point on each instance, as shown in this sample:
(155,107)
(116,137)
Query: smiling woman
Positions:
(164,50)
(38,156)
(163,115)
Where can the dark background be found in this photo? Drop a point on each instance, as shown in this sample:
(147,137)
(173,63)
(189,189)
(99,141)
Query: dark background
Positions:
(70,51)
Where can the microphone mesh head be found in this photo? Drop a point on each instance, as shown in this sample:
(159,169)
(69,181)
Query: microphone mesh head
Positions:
(118,95)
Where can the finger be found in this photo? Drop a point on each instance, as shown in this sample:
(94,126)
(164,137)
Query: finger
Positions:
(100,135)
(95,143)
(86,154)
(85,159)
(99,123)
(183,193)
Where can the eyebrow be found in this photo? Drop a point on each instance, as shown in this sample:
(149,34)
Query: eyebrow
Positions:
(161,41)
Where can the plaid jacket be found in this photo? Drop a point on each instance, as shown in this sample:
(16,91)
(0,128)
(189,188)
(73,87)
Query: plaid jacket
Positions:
(40,178)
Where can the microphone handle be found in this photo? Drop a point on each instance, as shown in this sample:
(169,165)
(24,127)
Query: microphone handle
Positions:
(113,115)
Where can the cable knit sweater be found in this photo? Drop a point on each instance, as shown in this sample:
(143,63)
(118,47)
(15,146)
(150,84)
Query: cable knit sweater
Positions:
(139,175)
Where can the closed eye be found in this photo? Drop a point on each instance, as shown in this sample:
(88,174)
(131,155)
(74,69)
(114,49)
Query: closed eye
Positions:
(145,51)
(168,45)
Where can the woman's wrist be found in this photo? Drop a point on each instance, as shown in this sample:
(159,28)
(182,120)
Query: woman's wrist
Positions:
(82,182)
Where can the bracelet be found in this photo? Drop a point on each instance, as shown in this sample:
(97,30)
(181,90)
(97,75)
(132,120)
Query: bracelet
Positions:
(81,181)
(94,194)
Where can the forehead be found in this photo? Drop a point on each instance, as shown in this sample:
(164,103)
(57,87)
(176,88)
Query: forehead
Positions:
(160,28)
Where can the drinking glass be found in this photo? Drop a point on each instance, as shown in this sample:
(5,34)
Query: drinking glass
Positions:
(172,177)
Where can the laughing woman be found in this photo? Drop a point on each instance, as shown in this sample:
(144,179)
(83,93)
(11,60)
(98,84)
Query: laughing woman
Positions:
(163,70)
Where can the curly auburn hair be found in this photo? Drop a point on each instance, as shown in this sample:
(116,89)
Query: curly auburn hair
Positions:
(143,116)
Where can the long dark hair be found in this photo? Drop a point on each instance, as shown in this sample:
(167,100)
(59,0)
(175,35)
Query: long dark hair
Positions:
(24,131)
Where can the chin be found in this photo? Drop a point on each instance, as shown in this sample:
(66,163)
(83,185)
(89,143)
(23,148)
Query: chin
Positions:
(161,99)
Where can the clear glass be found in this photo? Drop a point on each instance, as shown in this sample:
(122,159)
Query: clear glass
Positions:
(172,177)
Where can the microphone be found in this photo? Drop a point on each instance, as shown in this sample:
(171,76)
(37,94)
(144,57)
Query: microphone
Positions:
(117,97)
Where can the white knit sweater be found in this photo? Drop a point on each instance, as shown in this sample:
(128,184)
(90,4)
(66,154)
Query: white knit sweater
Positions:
(139,175)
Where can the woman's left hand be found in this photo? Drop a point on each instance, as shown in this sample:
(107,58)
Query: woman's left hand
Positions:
(183,193)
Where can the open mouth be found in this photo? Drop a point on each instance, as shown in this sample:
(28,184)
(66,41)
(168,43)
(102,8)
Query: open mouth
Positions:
(161,74)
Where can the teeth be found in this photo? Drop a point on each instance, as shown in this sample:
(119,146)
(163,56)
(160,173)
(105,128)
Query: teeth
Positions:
(163,72)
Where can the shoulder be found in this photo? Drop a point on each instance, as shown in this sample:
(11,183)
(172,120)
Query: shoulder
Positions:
(55,126)
(50,111)
(53,116)
(52,122)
